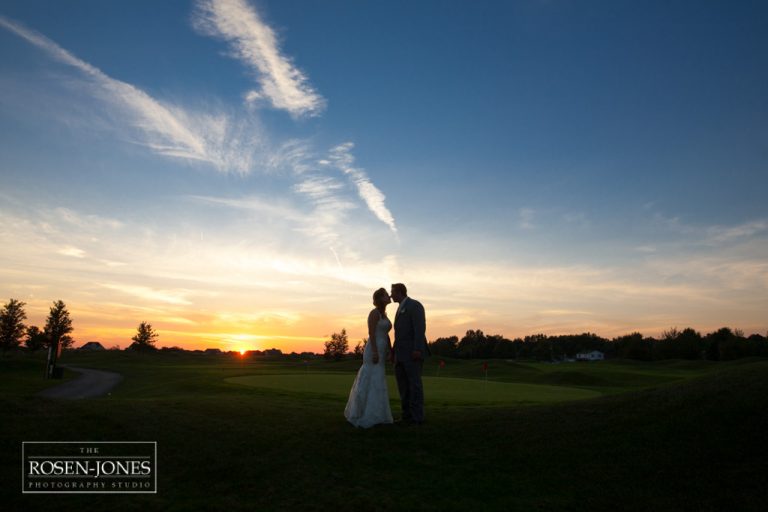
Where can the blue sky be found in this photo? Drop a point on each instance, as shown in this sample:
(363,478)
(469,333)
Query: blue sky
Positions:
(246,173)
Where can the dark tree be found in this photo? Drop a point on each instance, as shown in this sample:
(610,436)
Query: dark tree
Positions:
(35,339)
(543,350)
(145,338)
(666,347)
(444,347)
(689,344)
(360,348)
(337,346)
(472,344)
(633,346)
(12,326)
(504,349)
(720,344)
(758,345)
(58,325)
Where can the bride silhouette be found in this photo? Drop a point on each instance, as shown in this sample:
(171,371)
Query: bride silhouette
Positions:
(368,402)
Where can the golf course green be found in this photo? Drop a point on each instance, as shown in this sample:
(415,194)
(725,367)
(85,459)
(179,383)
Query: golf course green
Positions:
(440,390)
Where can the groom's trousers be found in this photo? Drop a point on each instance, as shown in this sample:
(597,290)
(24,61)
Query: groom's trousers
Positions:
(408,376)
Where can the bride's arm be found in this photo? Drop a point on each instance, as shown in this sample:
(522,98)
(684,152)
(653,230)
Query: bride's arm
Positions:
(372,321)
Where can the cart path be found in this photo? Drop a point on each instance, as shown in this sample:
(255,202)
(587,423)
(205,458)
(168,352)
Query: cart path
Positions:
(90,384)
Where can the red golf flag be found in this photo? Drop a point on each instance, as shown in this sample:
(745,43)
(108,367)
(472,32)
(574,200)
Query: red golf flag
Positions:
(485,366)
(442,364)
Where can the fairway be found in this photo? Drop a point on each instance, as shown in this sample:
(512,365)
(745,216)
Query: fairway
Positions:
(437,390)
(268,434)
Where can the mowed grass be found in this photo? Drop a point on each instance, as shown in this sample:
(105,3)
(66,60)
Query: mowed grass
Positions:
(666,436)
(440,390)
(25,376)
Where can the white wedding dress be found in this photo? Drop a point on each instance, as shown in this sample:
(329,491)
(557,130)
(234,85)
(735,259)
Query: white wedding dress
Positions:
(368,403)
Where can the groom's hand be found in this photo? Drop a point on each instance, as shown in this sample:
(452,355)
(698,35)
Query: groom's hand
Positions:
(416,355)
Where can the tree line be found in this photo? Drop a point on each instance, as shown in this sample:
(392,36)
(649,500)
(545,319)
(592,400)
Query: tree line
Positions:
(57,329)
(720,345)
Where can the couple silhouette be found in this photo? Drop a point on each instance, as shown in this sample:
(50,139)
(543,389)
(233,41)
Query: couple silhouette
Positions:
(368,402)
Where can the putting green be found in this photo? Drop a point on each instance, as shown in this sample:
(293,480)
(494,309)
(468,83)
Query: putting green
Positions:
(437,390)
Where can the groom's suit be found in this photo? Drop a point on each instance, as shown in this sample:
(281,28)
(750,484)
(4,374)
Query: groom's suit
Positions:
(410,335)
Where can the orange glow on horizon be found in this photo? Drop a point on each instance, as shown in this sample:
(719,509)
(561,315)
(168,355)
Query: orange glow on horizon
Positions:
(301,328)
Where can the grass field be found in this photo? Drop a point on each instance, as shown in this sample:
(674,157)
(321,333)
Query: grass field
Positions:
(270,435)
(441,390)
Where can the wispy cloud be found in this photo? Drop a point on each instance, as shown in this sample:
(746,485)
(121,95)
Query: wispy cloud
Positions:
(525,218)
(92,258)
(727,233)
(578,219)
(253,42)
(330,208)
(303,288)
(88,221)
(341,156)
(72,252)
(250,320)
(713,235)
(167,130)
(255,204)
(176,297)
(232,143)
(294,154)
(330,197)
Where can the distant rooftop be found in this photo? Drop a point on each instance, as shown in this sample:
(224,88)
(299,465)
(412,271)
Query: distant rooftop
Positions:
(92,345)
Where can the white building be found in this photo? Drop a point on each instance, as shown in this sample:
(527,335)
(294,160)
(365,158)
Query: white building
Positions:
(595,355)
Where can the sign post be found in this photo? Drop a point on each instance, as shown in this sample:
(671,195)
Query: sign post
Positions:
(54,352)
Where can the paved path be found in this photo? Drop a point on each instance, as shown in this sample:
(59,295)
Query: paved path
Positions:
(90,384)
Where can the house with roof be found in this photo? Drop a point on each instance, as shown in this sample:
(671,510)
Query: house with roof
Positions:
(593,355)
(93,345)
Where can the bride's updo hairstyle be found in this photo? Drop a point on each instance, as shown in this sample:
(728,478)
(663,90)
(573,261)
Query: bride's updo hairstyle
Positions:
(378,294)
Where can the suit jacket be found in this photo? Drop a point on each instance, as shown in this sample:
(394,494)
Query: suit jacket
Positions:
(410,331)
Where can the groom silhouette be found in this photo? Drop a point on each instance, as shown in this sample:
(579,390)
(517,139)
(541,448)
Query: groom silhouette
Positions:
(408,353)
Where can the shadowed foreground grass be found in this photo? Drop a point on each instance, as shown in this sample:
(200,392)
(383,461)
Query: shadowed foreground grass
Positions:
(663,437)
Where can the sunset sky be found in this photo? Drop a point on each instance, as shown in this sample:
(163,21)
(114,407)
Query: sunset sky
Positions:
(244,174)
